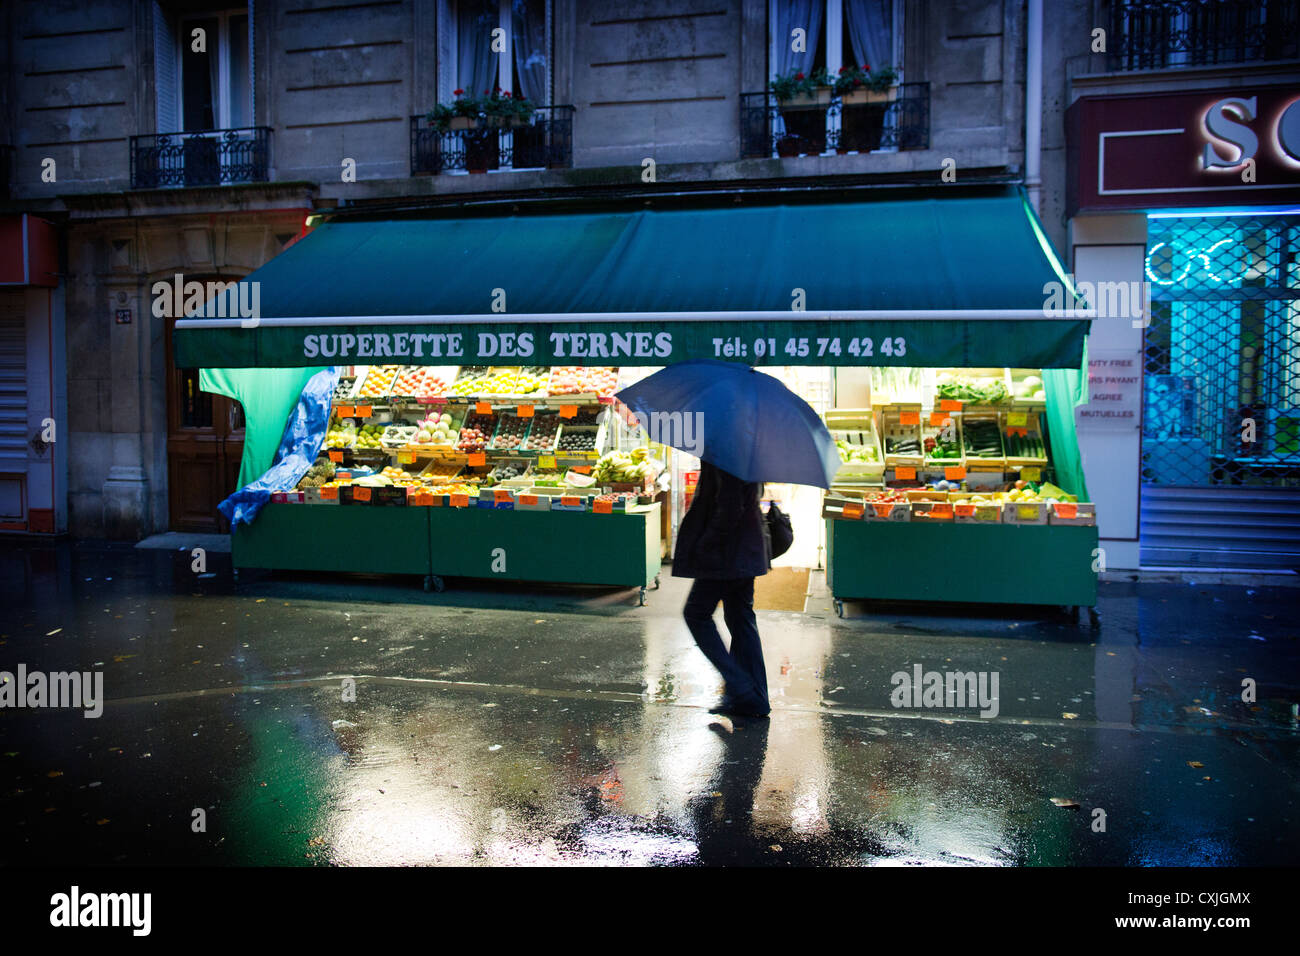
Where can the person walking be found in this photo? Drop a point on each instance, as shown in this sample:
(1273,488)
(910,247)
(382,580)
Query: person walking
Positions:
(723,543)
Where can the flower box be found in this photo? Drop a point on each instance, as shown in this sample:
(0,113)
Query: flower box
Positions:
(865,95)
(458,123)
(818,99)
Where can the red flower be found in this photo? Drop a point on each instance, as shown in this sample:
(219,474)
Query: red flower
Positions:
(457,92)
(867,67)
(506,93)
(798,76)
(843,68)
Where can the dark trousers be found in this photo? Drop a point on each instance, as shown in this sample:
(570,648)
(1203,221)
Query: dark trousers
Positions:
(742,668)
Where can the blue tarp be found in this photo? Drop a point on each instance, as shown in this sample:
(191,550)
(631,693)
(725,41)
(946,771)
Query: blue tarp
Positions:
(304,432)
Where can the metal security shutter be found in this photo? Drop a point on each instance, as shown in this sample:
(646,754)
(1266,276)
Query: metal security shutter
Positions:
(13,376)
(1221,410)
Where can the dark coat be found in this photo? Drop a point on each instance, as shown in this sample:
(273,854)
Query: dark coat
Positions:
(724,534)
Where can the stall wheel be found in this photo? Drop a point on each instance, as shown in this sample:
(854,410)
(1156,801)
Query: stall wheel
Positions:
(839,608)
(433,582)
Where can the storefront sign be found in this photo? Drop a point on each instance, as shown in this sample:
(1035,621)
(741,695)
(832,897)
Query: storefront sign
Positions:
(1199,148)
(1114,390)
(1031,343)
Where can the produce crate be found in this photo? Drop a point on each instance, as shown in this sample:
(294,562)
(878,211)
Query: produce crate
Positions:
(833,506)
(1024,512)
(857,427)
(322,496)
(533,499)
(402,391)
(986,381)
(1083,513)
(546,426)
(440,472)
(1024,394)
(981,437)
(497,497)
(397,436)
(373,388)
(570,502)
(901,423)
(596,434)
(931,510)
(391,496)
(887,511)
(521,480)
(461,390)
(289,497)
(977,513)
(1028,449)
(933,431)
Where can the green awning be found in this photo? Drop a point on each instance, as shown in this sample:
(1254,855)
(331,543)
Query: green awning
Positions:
(944,280)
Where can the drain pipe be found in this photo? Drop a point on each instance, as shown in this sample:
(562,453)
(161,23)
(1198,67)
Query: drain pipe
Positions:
(1034,103)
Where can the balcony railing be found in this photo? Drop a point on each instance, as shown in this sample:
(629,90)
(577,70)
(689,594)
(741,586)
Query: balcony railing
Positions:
(1165,34)
(766,129)
(216,157)
(545,142)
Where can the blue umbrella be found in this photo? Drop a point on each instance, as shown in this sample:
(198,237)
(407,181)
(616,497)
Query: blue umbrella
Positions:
(742,420)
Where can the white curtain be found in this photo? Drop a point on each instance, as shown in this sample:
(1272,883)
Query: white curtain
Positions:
(790,14)
(476,64)
(871,31)
(532,57)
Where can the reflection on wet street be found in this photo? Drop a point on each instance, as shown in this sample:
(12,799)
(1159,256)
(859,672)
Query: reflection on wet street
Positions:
(362,722)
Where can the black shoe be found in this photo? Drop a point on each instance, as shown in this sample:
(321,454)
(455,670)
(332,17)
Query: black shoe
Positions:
(738,707)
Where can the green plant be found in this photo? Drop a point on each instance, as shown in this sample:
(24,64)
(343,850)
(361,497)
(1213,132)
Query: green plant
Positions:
(789,85)
(854,77)
(507,107)
(440,117)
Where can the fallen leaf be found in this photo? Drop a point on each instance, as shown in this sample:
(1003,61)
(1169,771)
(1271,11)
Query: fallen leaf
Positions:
(1069,716)
(1195,764)
(1066,803)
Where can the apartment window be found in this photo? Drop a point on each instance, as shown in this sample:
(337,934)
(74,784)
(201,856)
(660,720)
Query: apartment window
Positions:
(836,33)
(215,77)
(506,44)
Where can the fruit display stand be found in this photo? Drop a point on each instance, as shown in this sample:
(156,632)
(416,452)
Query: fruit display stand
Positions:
(474,450)
(963,524)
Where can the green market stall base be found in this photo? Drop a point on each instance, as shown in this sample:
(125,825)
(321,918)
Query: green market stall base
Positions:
(615,550)
(966,563)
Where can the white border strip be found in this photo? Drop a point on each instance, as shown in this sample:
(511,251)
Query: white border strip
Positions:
(567,318)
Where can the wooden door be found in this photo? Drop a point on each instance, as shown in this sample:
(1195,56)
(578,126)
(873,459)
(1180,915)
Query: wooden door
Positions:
(205,442)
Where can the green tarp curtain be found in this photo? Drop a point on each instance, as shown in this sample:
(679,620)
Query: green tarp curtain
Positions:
(267,396)
(760,283)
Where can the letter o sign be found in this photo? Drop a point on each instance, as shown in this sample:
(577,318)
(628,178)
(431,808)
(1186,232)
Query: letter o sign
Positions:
(1288,131)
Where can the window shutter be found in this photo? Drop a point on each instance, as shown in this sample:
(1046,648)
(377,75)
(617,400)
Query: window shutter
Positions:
(164,66)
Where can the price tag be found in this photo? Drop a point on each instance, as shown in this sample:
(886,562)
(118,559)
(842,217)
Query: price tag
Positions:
(986,512)
(950,404)
(954,472)
(568,411)
(1018,419)
(905,474)
(545,461)
(1067,509)
(460,501)
(420,499)
(1031,474)
(603,507)
(526,411)
(1027,512)
(336,455)
(909,418)
(1022,432)
(501,494)
(364,411)
(329,494)
(883,510)
(345,411)
(940,419)
(852,510)
(942,510)
(406,456)
(360,493)
(582,469)
(477,459)
(483,408)
(570,501)
(964,511)
(528,499)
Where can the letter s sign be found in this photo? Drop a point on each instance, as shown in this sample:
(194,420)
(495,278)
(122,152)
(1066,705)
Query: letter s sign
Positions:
(1221,124)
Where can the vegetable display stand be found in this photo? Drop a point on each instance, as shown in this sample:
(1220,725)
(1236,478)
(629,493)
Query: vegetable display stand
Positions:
(1004,564)
(580,547)
(333,538)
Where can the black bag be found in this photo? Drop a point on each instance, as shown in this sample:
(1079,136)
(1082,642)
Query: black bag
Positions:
(779,531)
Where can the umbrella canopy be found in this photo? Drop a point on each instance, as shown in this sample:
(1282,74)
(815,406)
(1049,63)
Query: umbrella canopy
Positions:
(744,421)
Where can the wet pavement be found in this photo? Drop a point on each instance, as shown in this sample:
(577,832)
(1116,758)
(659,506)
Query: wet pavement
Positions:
(544,726)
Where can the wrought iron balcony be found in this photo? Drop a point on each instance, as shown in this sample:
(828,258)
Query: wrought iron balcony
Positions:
(216,157)
(546,141)
(1166,34)
(768,129)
